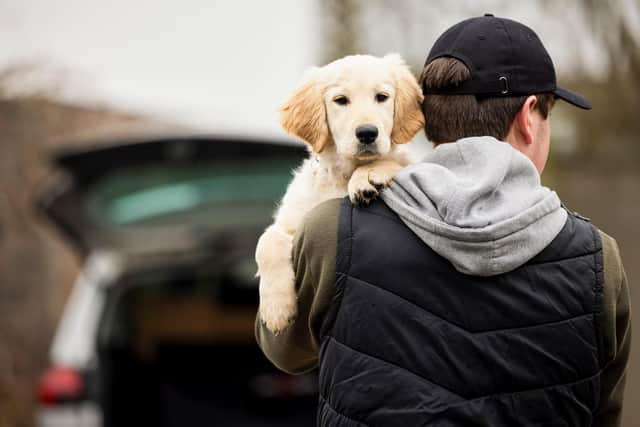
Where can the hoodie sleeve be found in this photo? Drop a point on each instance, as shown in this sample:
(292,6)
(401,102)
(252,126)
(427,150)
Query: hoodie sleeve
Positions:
(295,349)
(617,335)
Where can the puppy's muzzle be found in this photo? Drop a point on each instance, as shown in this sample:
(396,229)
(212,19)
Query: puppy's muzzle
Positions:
(366,134)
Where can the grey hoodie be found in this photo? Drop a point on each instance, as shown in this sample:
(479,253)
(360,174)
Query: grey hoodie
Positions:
(479,203)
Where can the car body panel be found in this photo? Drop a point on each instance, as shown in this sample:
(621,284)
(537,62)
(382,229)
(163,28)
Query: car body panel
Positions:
(74,341)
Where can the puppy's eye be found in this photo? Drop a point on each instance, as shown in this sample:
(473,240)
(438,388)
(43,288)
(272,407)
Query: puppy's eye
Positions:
(341,100)
(381,97)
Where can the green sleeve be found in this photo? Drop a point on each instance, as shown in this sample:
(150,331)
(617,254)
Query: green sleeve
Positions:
(295,350)
(617,336)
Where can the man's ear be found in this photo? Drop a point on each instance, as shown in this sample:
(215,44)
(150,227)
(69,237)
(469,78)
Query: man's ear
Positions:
(303,113)
(522,123)
(407,117)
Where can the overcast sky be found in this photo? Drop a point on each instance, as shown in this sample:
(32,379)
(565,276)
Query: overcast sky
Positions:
(226,65)
(218,65)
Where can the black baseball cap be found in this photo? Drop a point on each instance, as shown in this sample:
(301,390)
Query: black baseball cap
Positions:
(505,58)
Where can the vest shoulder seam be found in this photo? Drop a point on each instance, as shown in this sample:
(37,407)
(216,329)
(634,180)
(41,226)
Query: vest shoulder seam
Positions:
(598,289)
(336,303)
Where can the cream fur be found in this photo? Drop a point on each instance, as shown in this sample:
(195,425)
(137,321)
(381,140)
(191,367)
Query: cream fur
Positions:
(338,165)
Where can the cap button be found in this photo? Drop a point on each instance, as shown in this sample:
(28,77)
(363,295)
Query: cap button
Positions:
(488,14)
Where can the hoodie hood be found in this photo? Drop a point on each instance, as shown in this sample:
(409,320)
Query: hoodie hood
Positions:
(479,203)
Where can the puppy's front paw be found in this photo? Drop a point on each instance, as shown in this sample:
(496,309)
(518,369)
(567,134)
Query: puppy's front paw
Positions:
(361,189)
(367,181)
(380,178)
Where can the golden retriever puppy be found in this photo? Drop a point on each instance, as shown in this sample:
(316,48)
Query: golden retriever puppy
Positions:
(353,113)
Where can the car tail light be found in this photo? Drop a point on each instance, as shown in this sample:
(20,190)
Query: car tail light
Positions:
(60,384)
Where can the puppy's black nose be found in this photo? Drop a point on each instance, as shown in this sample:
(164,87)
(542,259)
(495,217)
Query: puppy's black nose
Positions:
(366,134)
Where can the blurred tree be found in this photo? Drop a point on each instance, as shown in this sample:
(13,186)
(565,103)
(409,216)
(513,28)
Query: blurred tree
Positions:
(340,29)
(612,20)
(605,138)
(37,269)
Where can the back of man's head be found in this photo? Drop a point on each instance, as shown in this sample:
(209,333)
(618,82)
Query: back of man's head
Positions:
(452,117)
(479,74)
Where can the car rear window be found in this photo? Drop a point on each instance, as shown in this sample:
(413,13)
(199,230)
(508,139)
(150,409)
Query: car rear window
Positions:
(220,194)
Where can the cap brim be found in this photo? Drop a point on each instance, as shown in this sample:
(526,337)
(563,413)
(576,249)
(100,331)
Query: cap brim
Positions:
(573,98)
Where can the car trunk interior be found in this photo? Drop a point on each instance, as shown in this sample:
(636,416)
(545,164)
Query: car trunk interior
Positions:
(176,348)
(175,343)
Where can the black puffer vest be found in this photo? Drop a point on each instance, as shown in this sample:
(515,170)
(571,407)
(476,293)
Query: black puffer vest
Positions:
(410,341)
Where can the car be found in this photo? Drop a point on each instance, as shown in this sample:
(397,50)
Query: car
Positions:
(158,328)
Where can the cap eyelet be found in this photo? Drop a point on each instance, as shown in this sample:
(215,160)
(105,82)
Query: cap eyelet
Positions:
(505,85)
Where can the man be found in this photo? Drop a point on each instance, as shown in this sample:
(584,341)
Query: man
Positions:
(468,295)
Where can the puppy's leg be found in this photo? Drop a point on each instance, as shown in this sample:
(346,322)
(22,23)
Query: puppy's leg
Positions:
(277,283)
(368,180)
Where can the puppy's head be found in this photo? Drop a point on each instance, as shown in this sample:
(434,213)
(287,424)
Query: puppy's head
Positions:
(360,103)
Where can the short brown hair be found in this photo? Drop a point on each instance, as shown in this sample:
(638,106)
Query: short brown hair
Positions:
(452,117)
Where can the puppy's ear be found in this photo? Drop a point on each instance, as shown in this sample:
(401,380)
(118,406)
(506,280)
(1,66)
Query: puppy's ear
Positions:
(303,114)
(407,117)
